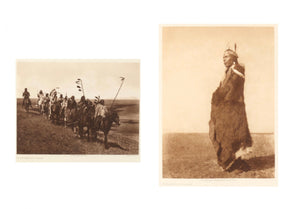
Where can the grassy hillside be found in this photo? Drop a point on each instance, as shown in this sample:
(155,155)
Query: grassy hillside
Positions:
(37,135)
(193,156)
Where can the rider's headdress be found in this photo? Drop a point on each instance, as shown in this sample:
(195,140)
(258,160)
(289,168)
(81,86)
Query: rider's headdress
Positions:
(232,52)
(97,99)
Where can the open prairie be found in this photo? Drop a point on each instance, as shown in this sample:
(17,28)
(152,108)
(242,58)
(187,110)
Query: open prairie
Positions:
(193,156)
(37,135)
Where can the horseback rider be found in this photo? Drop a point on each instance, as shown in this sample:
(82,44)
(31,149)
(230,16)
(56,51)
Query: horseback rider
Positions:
(60,99)
(39,101)
(100,111)
(64,105)
(82,103)
(46,99)
(45,103)
(72,103)
(26,95)
(70,116)
(53,99)
(40,96)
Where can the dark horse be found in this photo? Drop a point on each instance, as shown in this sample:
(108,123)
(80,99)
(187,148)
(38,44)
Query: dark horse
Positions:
(71,118)
(45,109)
(106,123)
(55,112)
(85,116)
(26,104)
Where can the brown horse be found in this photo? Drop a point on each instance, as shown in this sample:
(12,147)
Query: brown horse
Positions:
(45,109)
(26,104)
(71,118)
(55,112)
(85,119)
(106,123)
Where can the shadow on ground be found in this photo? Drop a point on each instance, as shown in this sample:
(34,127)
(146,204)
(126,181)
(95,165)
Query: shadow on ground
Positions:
(261,163)
(115,145)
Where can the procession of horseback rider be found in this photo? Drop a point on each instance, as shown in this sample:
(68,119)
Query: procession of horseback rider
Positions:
(84,114)
(45,103)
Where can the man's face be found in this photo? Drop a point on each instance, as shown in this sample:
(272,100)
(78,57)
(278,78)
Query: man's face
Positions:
(227,59)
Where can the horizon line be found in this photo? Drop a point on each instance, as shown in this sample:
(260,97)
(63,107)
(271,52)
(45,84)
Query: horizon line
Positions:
(208,132)
(93,98)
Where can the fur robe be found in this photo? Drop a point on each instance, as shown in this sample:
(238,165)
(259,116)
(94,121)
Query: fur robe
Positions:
(228,126)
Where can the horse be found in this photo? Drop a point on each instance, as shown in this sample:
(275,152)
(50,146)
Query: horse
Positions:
(106,123)
(26,104)
(40,104)
(85,118)
(63,115)
(45,109)
(55,112)
(71,116)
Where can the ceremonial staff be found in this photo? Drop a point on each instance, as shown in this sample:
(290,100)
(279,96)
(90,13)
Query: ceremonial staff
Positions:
(80,88)
(122,81)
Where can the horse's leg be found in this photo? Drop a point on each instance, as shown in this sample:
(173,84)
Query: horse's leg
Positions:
(78,126)
(80,130)
(74,129)
(105,140)
(88,130)
(94,130)
(95,133)
(65,122)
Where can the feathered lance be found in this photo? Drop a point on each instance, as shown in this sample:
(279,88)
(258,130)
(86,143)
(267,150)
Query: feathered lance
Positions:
(122,81)
(80,88)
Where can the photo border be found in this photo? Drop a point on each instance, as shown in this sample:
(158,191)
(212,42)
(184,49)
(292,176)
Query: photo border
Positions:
(219,181)
(80,157)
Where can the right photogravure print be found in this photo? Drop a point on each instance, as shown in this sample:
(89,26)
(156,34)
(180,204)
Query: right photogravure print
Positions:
(218,105)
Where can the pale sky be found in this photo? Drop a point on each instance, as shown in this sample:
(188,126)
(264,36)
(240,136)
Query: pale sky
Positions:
(192,67)
(99,77)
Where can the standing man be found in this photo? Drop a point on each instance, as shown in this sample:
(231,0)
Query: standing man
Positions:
(228,126)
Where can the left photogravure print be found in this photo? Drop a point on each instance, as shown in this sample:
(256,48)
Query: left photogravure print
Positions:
(77,110)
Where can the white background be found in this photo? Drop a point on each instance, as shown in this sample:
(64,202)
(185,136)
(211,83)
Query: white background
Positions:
(130,30)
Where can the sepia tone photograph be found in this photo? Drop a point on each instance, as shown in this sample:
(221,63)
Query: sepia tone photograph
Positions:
(218,105)
(77,110)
